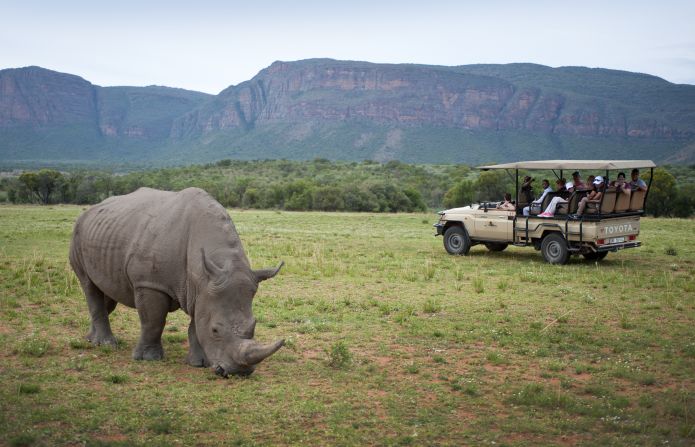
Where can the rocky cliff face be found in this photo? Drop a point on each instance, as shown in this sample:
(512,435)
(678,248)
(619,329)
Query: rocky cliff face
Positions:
(354,110)
(34,96)
(39,99)
(410,95)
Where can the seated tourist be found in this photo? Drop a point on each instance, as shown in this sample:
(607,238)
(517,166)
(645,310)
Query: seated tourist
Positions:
(561,186)
(577,183)
(593,197)
(637,184)
(620,184)
(546,190)
(507,205)
(552,206)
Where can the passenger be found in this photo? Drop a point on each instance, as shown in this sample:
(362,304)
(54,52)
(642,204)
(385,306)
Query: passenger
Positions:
(593,197)
(507,205)
(590,180)
(526,191)
(546,190)
(552,206)
(561,186)
(577,183)
(620,184)
(637,184)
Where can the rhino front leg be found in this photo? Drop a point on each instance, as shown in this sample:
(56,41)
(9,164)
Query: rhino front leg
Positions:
(152,307)
(100,307)
(196,355)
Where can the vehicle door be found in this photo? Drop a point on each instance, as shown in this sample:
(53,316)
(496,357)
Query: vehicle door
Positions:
(493,225)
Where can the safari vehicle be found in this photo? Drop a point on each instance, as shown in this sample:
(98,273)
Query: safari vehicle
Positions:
(611,225)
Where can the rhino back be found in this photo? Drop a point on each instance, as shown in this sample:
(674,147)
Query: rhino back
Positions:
(142,239)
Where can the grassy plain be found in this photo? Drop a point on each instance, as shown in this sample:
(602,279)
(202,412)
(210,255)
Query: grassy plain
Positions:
(390,342)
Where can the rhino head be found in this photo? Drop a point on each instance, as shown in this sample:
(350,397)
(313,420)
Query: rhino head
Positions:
(223,319)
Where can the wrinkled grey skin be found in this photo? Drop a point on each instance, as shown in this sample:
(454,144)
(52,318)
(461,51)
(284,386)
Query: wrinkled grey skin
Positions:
(159,251)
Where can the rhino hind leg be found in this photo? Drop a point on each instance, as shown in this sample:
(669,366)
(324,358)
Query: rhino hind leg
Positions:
(196,355)
(100,306)
(152,307)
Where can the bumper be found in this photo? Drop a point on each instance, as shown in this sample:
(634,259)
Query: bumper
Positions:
(617,247)
(440,228)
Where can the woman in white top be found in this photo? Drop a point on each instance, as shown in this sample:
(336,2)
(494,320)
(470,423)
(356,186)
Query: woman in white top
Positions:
(552,206)
(546,190)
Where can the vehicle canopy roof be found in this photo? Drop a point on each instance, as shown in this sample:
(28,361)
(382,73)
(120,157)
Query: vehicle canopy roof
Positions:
(573,164)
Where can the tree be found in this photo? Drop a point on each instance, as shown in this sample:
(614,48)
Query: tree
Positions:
(492,185)
(662,194)
(416,202)
(42,184)
(684,204)
(359,199)
(460,194)
(328,198)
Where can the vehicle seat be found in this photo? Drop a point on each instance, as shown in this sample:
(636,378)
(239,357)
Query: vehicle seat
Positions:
(608,204)
(537,209)
(622,201)
(572,203)
(637,200)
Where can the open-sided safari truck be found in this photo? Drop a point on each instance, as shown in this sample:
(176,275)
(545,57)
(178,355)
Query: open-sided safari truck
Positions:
(612,224)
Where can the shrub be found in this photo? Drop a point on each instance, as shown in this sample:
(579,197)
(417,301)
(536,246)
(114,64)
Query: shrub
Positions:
(339,356)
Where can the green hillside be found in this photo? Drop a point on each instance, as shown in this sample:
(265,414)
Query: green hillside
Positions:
(354,111)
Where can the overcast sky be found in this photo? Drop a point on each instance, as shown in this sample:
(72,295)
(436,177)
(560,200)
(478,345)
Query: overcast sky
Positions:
(207,45)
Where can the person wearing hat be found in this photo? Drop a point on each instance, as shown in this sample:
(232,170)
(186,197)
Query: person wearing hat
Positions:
(526,190)
(594,196)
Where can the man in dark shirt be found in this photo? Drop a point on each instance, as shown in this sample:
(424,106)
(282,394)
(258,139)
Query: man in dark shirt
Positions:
(526,192)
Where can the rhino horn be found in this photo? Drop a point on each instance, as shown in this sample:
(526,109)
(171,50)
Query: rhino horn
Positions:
(253,352)
(262,275)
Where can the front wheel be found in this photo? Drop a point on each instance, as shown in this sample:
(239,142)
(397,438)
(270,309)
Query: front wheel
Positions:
(554,249)
(456,241)
(595,255)
(496,246)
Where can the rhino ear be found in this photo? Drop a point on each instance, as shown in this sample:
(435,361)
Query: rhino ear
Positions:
(213,271)
(262,275)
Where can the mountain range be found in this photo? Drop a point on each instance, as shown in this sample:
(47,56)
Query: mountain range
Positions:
(347,110)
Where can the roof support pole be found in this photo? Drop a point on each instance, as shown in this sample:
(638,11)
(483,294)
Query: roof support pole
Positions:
(646,193)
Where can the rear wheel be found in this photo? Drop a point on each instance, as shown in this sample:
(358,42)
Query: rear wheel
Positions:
(496,246)
(456,241)
(554,249)
(595,255)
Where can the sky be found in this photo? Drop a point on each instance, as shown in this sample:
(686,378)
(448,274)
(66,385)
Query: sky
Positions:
(208,45)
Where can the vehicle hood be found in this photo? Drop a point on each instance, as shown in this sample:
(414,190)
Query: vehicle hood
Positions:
(462,209)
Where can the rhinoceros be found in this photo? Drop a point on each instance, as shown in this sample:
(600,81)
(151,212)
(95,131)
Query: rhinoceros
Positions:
(158,251)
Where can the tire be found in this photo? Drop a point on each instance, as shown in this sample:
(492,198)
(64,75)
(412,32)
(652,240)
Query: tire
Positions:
(456,241)
(496,246)
(595,255)
(554,249)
